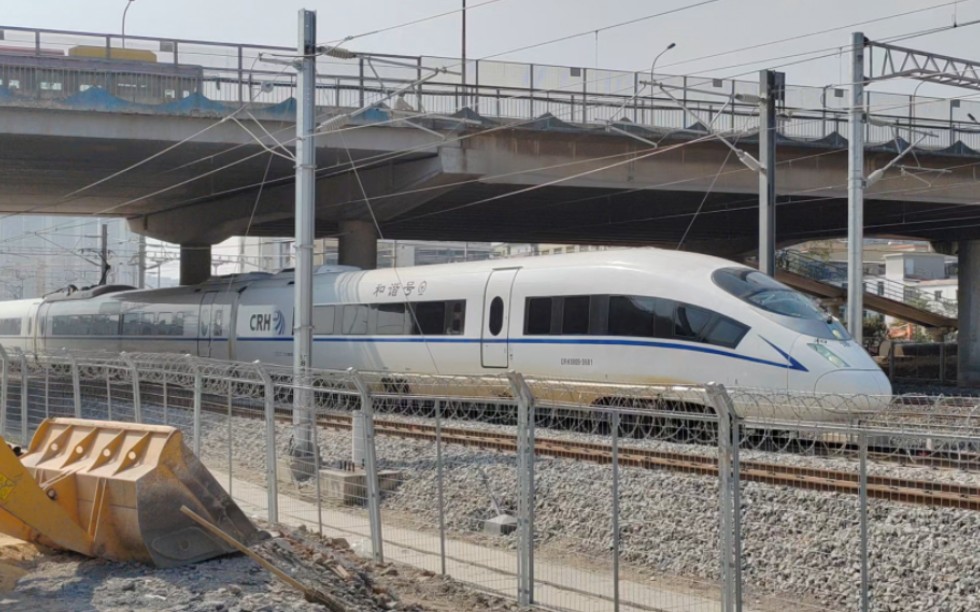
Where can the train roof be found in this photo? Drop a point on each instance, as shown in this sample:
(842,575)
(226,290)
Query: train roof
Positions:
(691,265)
(639,258)
(86,293)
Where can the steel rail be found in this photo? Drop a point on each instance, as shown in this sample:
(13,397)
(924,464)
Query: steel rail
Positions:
(837,481)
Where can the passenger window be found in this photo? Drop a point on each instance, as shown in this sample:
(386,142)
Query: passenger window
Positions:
(575,316)
(218,326)
(355,320)
(165,323)
(496,322)
(457,317)
(323,317)
(205,321)
(148,323)
(631,316)
(429,318)
(178,325)
(10,327)
(690,321)
(391,319)
(538,318)
(726,332)
(131,324)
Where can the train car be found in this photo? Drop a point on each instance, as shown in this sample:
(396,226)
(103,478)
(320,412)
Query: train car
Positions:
(17,320)
(642,316)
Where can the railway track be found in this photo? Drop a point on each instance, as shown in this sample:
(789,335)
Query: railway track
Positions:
(919,492)
(879,487)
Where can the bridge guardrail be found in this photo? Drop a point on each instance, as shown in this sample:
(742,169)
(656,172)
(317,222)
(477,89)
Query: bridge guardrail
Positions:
(232,74)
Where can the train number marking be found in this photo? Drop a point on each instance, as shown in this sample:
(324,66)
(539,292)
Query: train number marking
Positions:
(576,361)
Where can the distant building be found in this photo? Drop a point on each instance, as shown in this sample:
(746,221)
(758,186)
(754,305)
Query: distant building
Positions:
(925,279)
(41,254)
(249,254)
(506,249)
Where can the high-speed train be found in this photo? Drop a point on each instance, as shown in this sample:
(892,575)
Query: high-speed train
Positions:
(639,316)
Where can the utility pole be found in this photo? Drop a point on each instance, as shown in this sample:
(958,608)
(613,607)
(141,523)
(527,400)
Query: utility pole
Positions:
(302,458)
(771,88)
(855,193)
(141,263)
(104,254)
(463,70)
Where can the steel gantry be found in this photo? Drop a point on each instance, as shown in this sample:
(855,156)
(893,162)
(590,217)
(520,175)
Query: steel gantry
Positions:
(871,62)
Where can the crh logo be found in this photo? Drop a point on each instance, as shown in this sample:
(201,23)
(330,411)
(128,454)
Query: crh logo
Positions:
(264,321)
(279,322)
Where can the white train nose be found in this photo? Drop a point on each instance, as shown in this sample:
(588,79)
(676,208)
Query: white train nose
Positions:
(854,382)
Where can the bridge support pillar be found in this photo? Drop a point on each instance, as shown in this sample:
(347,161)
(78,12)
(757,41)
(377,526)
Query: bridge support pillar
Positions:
(195,263)
(358,244)
(968,305)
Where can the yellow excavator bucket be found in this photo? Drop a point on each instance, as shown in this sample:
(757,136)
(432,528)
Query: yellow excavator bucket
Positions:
(114,490)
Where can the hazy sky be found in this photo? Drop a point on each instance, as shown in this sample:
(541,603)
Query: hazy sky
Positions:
(718,27)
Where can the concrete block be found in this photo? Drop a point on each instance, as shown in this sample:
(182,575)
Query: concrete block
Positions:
(351,487)
(500,525)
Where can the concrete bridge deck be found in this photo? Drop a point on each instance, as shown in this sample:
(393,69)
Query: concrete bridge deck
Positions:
(523,153)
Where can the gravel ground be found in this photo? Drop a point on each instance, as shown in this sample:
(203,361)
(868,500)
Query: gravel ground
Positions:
(65,582)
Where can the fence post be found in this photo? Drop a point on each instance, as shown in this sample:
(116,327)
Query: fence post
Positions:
(271,471)
(47,390)
(198,392)
(531,88)
(231,437)
(525,480)
(863,502)
(76,384)
(615,508)
(439,488)
(891,362)
(366,413)
(241,75)
(4,384)
(137,404)
(724,408)
(24,388)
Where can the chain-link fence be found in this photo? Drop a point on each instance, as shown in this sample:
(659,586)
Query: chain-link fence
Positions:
(570,495)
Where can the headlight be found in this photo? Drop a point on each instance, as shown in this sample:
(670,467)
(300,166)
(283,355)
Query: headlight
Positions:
(829,355)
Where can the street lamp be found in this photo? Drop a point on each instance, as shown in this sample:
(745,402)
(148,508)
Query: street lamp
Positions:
(654,64)
(125,10)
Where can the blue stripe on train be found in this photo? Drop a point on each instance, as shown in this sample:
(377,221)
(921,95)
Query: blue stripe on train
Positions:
(790,363)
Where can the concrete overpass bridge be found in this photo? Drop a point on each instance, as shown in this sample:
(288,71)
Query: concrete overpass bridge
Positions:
(190,141)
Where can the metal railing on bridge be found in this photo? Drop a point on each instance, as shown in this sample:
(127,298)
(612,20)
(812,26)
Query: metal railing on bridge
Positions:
(836,274)
(167,75)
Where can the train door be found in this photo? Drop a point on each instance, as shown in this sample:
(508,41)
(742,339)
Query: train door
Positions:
(31,343)
(494,347)
(205,333)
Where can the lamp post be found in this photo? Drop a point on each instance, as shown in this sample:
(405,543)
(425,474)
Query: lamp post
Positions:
(654,64)
(463,76)
(125,10)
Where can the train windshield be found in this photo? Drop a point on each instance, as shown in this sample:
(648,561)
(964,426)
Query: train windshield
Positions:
(768,294)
